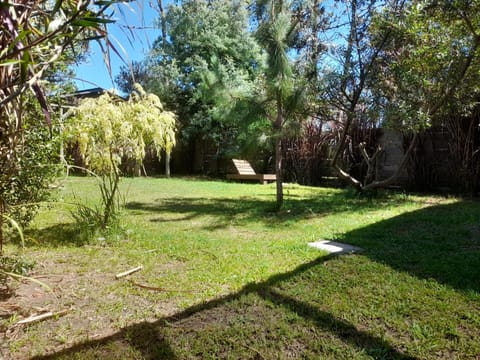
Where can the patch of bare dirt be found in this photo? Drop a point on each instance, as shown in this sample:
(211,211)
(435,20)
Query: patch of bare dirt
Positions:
(92,304)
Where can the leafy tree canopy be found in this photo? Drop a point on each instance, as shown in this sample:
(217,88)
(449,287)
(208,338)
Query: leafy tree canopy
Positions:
(207,62)
(433,64)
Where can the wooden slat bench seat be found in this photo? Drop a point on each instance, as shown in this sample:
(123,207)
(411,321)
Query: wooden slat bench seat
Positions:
(246,172)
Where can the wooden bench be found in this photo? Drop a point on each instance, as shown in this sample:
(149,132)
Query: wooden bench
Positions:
(246,172)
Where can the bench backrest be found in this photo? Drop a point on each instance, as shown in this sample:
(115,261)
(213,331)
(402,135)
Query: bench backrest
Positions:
(243,167)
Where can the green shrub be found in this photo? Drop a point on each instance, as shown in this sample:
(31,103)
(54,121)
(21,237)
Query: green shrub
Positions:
(24,186)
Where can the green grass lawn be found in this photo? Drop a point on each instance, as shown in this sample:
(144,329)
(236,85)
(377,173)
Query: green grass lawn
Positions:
(225,277)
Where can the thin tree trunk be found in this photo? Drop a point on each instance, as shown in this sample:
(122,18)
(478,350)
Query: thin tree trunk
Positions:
(344,88)
(167,164)
(109,193)
(396,174)
(163,23)
(314,53)
(352,96)
(110,198)
(277,126)
(278,171)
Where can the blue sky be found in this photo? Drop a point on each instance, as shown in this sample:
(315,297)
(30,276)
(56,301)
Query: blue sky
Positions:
(93,72)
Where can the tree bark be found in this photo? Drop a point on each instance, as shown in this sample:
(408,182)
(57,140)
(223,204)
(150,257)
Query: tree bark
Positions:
(352,93)
(401,166)
(278,126)
(278,171)
(110,198)
(163,23)
(167,164)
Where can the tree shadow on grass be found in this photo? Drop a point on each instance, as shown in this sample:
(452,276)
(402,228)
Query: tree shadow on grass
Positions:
(440,242)
(144,338)
(246,209)
(437,242)
(58,235)
(262,320)
(214,322)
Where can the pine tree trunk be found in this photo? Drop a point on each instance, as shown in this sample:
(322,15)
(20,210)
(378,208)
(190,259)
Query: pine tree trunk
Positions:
(278,171)
(278,127)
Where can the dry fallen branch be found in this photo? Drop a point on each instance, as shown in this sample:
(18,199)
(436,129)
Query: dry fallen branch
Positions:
(157,288)
(128,272)
(41,317)
(19,277)
(47,276)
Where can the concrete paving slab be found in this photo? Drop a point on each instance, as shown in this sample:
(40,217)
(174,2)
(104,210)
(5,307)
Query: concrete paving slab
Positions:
(334,247)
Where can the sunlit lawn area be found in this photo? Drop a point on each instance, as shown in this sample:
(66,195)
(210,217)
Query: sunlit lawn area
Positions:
(225,277)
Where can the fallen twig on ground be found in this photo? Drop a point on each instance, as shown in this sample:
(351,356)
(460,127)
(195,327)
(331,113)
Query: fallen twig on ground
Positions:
(41,317)
(19,277)
(128,272)
(153,288)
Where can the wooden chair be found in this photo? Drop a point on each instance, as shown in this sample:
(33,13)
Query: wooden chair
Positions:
(246,172)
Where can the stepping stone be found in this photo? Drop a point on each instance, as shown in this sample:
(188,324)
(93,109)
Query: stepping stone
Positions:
(334,247)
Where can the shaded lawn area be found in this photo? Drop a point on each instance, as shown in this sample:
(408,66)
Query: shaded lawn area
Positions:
(239,281)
